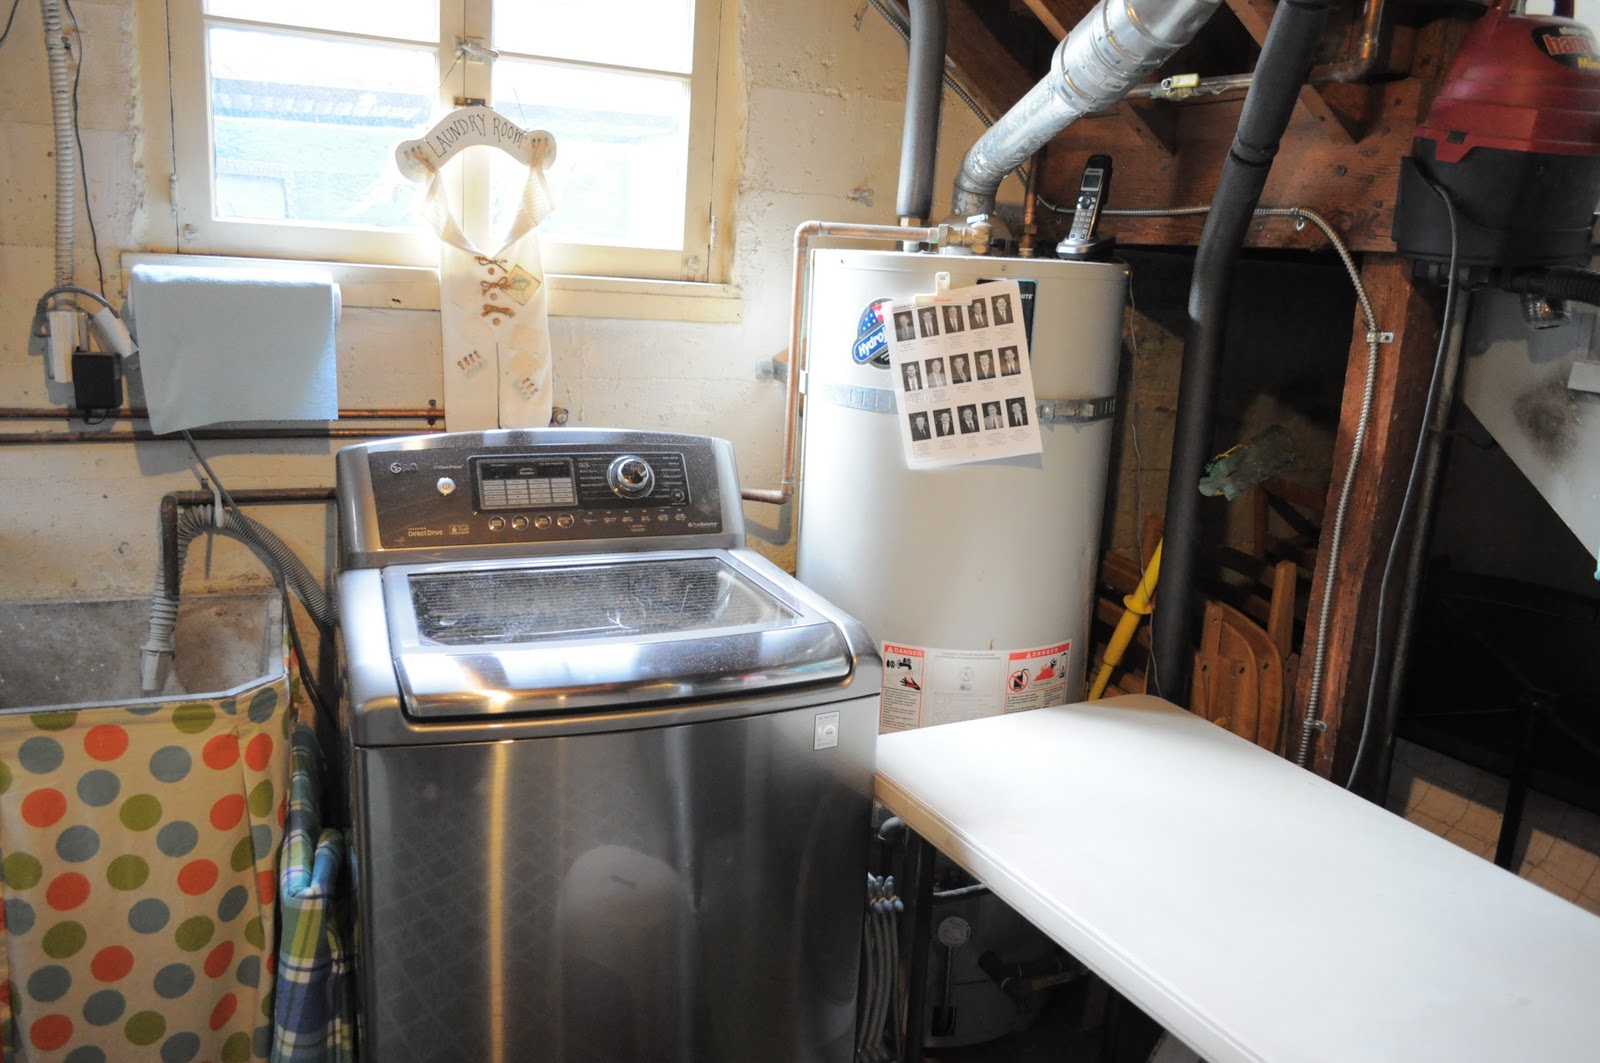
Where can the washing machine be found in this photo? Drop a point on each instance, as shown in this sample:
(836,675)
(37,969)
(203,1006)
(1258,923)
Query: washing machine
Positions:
(609,770)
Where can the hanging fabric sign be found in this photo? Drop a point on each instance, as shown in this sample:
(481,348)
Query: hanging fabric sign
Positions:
(492,305)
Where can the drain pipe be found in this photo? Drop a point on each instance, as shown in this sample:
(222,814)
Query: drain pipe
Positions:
(1286,58)
(1110,51)
(919,141)
(55,47)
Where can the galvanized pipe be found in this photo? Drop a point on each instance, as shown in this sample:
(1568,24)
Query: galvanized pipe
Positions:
(1104,56)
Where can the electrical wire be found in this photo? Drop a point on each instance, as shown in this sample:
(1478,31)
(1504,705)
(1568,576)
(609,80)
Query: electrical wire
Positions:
(77,133)
(1335,537)
(9,20)
(1408,500)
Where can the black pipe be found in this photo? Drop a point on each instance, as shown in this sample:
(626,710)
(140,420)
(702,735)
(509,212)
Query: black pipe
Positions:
(1574,285)
(1285,61)
(919,141)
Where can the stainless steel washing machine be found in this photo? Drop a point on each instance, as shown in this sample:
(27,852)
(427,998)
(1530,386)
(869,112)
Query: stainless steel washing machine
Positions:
(610,772)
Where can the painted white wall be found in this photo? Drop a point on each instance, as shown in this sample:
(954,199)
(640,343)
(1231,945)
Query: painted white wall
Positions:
(822,89)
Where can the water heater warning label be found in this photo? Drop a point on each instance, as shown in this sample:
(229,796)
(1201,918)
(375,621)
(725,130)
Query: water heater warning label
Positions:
(923,686)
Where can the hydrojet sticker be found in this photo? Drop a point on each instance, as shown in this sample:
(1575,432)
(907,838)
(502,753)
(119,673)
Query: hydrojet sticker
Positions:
(872,338)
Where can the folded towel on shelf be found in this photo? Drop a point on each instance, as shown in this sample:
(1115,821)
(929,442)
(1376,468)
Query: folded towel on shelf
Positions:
(234,344)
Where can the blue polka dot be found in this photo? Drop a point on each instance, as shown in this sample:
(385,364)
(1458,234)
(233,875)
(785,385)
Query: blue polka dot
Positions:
(229,706)
(85,1054)
(148,916)
(146,710)
(177,838)
(261,840)
(40,755)
(262,705)
(174,980)
(19,916)
(232,904)
(249,972)
(262,1042)
(78,844)
(180,1048)
(170,763)
(99,788)
(49,984)
(104,1008)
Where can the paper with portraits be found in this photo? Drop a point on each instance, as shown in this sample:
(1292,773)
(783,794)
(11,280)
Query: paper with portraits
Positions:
(962,381)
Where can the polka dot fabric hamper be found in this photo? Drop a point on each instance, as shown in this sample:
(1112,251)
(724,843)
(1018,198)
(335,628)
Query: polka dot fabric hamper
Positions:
(138,850)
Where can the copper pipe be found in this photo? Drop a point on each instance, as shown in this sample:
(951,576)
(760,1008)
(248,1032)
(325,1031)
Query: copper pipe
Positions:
(1030,203)
(428,413)
(145,436)
(975,236)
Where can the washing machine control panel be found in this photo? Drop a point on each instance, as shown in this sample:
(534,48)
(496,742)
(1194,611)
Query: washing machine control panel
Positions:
(439,497)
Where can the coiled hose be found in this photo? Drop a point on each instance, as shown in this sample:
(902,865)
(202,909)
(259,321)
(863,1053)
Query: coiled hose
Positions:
(55,47)
(159,645)
(1571,283)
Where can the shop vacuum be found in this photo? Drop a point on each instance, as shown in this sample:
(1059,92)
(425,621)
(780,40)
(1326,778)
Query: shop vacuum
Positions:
(1513,138)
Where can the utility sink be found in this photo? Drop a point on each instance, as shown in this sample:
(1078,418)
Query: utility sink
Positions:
(75,654)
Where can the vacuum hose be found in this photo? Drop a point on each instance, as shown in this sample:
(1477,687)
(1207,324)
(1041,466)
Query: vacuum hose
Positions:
(1570,283)
(159,645)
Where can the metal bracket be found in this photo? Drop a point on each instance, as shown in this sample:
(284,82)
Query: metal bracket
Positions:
(1380,337)
(1076,411)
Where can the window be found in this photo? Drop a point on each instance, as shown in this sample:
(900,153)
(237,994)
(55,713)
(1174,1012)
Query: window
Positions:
(286,116)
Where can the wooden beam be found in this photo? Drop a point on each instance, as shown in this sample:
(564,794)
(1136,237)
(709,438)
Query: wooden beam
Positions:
(993,71)
(1404,367)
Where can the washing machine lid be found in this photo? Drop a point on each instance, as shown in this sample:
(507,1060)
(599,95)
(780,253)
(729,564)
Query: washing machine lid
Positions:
(606,633)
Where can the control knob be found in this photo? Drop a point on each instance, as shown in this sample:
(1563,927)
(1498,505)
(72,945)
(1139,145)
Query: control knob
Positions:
(630,477)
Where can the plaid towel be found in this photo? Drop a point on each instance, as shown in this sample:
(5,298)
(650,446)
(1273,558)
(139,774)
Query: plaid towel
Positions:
(312,1022)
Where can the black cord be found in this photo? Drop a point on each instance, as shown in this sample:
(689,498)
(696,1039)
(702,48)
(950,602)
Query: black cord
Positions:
(308,682)
(77,133)
(9,20)
(1451,293)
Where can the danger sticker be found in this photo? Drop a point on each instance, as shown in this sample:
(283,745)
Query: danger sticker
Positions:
(924,686)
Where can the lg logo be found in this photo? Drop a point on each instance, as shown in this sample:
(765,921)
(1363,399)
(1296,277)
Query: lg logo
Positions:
(398,467)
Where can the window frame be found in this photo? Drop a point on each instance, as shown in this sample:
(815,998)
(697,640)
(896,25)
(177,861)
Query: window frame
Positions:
(703,258)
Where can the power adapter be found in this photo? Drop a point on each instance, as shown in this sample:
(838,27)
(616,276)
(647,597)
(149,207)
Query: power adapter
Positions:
(96,381)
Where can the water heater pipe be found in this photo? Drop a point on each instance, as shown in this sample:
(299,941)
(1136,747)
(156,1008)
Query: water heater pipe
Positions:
(919,140)
(974,236)
(1286,58)
(55,47)
(1105,55)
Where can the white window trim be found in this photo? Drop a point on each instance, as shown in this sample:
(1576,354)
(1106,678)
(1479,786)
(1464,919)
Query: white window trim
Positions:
(709,301)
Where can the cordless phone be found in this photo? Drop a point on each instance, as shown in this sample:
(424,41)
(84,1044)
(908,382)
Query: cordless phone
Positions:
(1081,241)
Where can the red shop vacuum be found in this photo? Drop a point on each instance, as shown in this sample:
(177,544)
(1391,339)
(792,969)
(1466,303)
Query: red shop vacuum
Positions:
(1514,139)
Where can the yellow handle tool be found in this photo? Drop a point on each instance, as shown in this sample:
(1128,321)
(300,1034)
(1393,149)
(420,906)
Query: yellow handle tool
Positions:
(1136,605)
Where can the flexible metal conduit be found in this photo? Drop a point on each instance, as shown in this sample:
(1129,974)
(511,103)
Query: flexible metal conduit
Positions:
(919,141)
(1097,63)
(1285,60)
(975,236)
(55,47)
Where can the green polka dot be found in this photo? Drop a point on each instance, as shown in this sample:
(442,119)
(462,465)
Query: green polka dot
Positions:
(253,934)
(243,856)
(145,1028)
(64,940)
(261,799)
(127,873)
(59,720)
(141,812)
(22,871)
(194,934)
(236,1049)
(193,717)
(5,777)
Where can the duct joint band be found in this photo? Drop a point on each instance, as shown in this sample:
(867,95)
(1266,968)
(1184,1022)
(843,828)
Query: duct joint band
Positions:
(873,400)
(1076,411)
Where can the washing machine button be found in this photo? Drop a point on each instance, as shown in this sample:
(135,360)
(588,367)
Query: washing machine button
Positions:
(497,524)
(565,520)
(519,523)
(446,485)
(542,521)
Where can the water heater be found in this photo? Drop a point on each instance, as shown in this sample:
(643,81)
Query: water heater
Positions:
(977,580)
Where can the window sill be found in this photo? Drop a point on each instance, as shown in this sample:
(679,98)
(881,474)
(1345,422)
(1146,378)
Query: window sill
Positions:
(417,288)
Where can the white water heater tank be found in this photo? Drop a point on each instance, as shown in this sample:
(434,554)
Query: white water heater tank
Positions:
(977,580)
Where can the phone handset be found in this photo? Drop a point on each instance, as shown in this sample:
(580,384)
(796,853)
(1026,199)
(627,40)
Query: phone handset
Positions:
(1081,240)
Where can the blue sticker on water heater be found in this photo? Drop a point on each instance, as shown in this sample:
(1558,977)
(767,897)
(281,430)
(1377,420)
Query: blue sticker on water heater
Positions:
(872,337)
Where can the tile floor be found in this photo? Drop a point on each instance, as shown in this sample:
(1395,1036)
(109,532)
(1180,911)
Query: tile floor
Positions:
(1559,847)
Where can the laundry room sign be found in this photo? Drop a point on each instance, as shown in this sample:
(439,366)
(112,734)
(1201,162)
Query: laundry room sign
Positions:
(961,375)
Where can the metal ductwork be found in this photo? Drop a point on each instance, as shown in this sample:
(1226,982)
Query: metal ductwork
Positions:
(1114,48)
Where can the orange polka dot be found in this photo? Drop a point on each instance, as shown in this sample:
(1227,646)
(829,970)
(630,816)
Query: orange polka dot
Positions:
(228,811)
(50,1032)
(266,886)
(67,891)
(258,754)
(217,962)
(106,742)
(43,807)
(224,1010)
(111,963)
(221,752)
(283,810)
(272,964)
(197,877)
